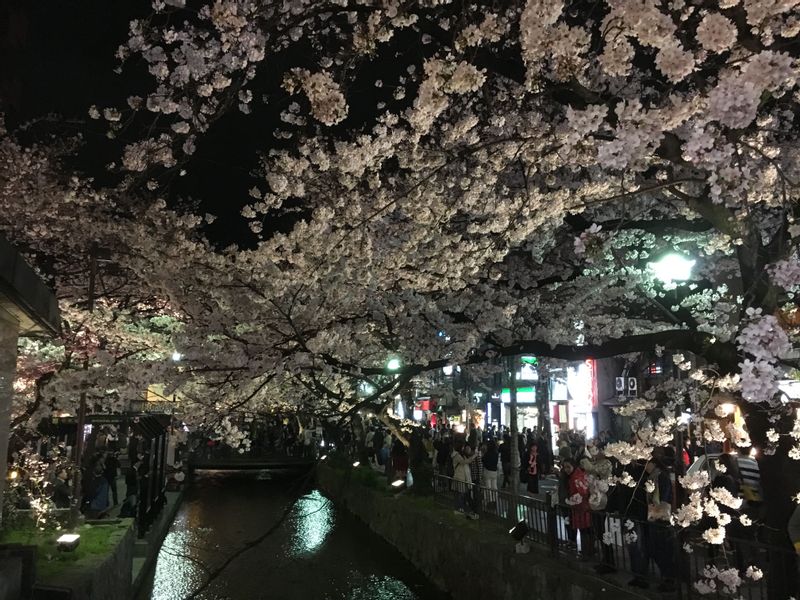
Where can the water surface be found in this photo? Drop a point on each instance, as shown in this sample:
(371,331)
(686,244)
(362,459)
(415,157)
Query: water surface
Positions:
(316,552)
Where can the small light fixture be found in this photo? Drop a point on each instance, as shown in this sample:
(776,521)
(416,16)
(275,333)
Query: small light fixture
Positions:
(753,452)
(394,364)
(728,408)
(12,475)
(355,464)
(519,531)
(176,356)
(398,483)
(68,542)
(323,457)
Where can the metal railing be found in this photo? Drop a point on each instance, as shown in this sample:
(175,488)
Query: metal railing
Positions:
(641,549)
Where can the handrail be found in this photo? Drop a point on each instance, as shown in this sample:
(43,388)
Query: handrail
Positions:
(620,543)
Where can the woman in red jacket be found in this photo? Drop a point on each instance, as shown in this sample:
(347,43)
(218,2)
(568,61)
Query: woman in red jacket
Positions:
(580,516)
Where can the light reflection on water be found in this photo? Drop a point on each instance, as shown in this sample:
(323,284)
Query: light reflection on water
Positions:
(376,587)
(176,573)
(317,552)
(313,519)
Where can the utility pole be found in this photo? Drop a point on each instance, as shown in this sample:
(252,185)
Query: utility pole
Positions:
(515,464)
(78,475)
(543,403)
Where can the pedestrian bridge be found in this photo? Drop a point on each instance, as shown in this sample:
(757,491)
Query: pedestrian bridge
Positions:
(273,462)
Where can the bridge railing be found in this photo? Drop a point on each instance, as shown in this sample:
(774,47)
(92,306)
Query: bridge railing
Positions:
(637,548)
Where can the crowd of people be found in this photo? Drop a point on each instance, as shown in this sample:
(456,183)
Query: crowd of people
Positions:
(479,462)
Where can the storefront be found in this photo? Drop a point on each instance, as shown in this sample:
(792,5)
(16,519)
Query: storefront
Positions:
(573,398)
(527,411)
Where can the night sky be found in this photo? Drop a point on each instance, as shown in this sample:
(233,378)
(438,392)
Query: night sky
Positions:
(58,58)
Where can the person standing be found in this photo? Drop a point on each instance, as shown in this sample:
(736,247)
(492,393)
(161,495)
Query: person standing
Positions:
(61,491)
(490,458)
(399,460)
(98,492)
(476,473)
(505,459)
(132,479)
(368,445)
(598,471)
(658,541)
(377,445)
(462,476)
(580,519)
(534,468)
(111,473)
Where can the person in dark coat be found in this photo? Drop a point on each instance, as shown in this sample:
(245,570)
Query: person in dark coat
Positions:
(62,495)
(505,459)
(632,505)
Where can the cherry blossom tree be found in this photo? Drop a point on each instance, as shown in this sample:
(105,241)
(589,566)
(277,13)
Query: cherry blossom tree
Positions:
(503,186)
(517,174)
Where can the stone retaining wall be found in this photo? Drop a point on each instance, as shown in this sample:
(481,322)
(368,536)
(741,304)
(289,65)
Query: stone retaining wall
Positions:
(106,577)
(469,559)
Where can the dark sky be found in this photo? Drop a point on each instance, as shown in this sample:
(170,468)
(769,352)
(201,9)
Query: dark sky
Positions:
(57,57)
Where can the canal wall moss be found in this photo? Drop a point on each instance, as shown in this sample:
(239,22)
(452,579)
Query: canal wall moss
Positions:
(93,575)
(469,559)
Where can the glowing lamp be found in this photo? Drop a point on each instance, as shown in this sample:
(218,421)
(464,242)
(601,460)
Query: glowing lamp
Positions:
(394,364)
(398,483)
(176,356)
(672,267)
(355,464)
(323,457)
(728,408)
(12,475)
(68,542)
(519,531)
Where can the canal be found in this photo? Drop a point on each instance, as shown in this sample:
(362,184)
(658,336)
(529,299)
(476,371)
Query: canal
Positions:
(316,552)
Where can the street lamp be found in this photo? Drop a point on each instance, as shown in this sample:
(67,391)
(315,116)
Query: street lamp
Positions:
(672,267)
(394,364)
(176,356)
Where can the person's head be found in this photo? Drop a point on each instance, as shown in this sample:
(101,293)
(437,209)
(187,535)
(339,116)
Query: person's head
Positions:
(467,450)
(62,474)
(653,464)
(730,464)
(458,446)
(568,466)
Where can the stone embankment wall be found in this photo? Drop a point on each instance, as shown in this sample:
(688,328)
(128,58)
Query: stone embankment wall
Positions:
(105,577)
(469,559)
